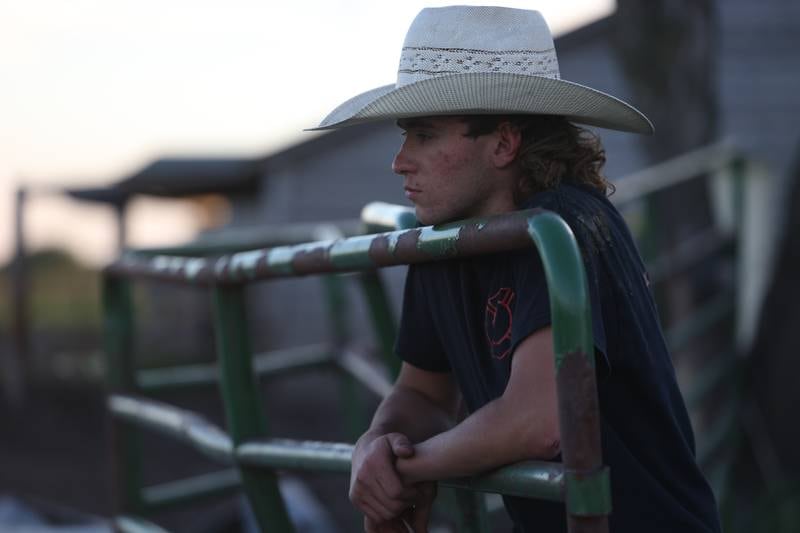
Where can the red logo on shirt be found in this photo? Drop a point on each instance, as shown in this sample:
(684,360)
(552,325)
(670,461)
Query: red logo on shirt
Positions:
(499,318)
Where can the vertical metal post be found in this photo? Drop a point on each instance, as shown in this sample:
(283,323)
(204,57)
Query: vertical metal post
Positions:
(588,491)
(118,328)
(383,320)
(356,417)
(15,371)
(468,508)
(120,210)
(243,405)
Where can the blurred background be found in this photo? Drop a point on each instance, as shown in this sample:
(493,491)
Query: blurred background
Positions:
(150,125)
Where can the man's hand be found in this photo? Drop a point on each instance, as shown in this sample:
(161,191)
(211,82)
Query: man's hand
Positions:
(375,487)
(414,520)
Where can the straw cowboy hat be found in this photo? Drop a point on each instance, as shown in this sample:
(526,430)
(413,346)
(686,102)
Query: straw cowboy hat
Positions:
(483,60)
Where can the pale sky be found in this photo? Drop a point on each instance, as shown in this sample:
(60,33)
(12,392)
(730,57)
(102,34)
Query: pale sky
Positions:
(91,90)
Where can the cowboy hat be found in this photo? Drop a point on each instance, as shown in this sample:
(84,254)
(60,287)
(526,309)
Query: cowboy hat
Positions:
(462,60)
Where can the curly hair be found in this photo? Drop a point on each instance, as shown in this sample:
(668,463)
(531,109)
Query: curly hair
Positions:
(552,150)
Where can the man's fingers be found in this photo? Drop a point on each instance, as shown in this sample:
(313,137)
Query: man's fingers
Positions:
(375,486)
(374,508)
(393,488)
(400,445)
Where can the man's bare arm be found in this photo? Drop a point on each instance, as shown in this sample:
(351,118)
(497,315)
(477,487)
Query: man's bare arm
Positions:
(521,424)
(420,405)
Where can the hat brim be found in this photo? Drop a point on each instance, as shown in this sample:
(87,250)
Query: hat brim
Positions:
(489,93)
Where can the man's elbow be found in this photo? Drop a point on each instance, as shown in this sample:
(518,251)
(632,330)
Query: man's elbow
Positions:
(543,442)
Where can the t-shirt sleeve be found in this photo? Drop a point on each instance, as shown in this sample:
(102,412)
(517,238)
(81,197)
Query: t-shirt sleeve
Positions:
(532,309)
(418,342)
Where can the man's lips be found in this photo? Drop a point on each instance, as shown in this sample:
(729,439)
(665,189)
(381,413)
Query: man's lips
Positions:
(411,192)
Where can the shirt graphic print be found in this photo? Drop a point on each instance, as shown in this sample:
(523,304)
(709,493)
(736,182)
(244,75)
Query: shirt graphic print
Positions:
(498,322)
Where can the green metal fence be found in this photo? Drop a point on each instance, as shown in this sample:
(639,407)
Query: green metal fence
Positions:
(581,481)
(711,374)
(253,457)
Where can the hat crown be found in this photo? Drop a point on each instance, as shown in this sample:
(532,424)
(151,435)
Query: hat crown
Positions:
(466,60)
(477,39)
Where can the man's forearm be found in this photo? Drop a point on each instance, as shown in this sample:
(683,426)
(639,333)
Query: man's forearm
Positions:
(491,437)
(411,413)
(520,424)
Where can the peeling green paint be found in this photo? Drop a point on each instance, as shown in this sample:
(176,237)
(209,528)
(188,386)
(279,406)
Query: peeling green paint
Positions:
(188,266)
(220,265)
(566,280)
(244,263)
(392,239)
(194,266)
(352,252)
(280,259)
(438,241)
(588,494)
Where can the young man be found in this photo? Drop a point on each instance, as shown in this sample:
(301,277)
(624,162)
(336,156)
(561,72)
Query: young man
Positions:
(488,129)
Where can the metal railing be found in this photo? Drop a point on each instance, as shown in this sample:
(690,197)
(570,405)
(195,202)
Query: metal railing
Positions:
(713,389)
(581,482)
(254,457)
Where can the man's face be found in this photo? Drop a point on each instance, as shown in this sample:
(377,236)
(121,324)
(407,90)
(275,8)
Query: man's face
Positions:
(447,175)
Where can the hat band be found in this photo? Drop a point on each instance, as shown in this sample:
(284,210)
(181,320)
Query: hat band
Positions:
(419,63)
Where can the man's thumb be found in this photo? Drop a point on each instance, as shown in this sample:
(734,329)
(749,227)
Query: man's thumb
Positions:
(400,444)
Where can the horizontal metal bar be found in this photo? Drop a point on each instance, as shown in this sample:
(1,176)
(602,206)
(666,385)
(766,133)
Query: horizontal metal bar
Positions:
(193,489)
(181,424)
(700,321)
(366,373)
(288,359)
(530,479)
(135,524)
(673,172)
(167,378)
(689,252)
(232,240)
(292,454)
(504,232)
(382,216)
(264,364)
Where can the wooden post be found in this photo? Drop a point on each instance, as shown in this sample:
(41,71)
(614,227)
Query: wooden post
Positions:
(17,361)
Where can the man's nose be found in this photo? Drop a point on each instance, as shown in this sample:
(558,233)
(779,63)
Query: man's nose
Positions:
(402,163)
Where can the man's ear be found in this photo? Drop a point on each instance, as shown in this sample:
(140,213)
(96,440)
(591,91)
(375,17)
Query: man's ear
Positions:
(508,140)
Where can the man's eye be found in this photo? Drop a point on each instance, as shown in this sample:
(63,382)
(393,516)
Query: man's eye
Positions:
(417,135)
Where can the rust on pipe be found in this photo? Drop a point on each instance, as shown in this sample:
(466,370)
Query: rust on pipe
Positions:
(478,236)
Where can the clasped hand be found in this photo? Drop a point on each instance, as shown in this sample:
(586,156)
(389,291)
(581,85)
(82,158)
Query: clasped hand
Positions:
(390,504)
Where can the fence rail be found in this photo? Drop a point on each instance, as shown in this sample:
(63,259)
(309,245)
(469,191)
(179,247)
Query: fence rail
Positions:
(539,479)
(581,482)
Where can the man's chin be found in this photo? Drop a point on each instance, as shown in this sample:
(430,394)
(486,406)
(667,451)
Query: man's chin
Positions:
(427,219)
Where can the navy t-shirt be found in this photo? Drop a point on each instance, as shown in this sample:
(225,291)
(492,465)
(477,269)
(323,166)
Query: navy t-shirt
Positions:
(468,316)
